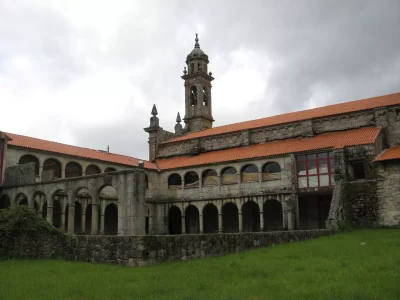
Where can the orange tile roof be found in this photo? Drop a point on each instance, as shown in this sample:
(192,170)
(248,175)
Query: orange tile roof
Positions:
(334,140)
(325,111)
(389,154)
(43,145)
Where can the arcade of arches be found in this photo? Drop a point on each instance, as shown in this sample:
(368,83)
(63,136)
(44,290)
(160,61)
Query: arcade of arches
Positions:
(247,218)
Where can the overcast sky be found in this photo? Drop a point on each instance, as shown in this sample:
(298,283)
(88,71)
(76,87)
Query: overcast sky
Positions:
(87,73)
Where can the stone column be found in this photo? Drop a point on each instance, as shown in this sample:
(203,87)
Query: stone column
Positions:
(49,216)
(40,172)
(183,225)
(83,222)
(71,219)
(63,173)
(220,227)
(95,218)
(201,224)
(290,217)
(240,216)
(261,220)
(102,223)
(62,225)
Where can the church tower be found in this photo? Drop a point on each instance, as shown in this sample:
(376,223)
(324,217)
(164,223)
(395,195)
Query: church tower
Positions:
(198,104)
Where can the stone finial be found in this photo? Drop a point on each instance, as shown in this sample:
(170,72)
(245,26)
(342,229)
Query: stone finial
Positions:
(178,126)
(154,110)
(178,118)
(184,71)
(197,45)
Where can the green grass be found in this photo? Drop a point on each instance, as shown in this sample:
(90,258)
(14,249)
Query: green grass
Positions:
(363,264)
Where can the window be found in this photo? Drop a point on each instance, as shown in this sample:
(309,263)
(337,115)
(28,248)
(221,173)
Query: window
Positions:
(250,173)
(357,169)
(271,171)
(210,178)
(191,180)
(315,170)
(228,176)
(193,96)
(174,182)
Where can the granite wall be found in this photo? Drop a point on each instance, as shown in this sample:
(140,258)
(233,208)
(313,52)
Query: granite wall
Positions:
(146,250)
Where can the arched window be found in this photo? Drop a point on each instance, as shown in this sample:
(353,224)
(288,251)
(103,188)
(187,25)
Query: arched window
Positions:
(174,182)
(193,95)
(146,181)
(109,169)
(191,180)
(53,167)
(92,169)
(192,222)
(228,176)
(250,173)
(25,159)
(73,169)
(205,96)
(174,220)
(210,178)
(271,171)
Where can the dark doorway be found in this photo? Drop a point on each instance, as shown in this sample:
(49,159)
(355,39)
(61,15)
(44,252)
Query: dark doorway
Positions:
(111,220)
(251,217)
(192,220)
(88,220)
(57,214)
(273,216)
(174,220)
(210,219)
(230,218)
(78,218)
(313,211)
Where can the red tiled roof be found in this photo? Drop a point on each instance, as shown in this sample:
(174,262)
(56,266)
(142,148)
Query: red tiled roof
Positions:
(389,154)
(325,111)
(43,145)
(334,140)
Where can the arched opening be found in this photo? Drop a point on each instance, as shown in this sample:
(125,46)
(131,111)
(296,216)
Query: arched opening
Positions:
(192,224)
(22,200)
(249,173)
(174,182)
(36,208)
(92,170)
(57,213)
(73,169)
(5,202)
(205,96)
(251,217)
(111,219)
(52,168)
(78,218)
(230,218)
(44,210)
(271,171)
(26,159)
(273,217)
(228,176)
(174,220)
(88,219)
(191,180)
(210,218)
(146,181)
(109,169)
(210,178)
(193,95)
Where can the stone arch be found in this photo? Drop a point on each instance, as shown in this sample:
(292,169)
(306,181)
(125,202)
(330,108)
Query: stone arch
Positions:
(230,218)
(210,218)
(273,216)
(174,220)
(210,178)
(251,217)
(92,170)
(271,171)
(192,221)
(39,200)
(191,179)
(53,167)
(111,219)
(174,181)
(193,95)
(73,169)
(110,169)
(29,158)
(21,199)
(229,176)
(249,173)
(5,201)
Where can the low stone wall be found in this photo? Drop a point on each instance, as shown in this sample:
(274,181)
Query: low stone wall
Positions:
(146,250)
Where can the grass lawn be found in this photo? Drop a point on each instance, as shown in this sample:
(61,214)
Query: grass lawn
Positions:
(363,264)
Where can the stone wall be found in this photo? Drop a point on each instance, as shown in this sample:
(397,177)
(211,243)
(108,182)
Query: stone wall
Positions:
(19,175)
(146,250)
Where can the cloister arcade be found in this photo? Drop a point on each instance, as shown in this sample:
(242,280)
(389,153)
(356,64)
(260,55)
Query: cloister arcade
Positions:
(228,175)
(269,214)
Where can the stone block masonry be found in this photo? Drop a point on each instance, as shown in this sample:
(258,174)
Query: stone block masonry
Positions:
(151,249)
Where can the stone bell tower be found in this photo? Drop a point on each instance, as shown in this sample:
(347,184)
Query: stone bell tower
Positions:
(198,104)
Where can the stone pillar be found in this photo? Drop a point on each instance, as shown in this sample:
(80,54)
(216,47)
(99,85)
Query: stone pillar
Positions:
(83,222)
(95,218)
(71,219)
(40,172)
(63,173)
(49,214)
(183,225)
(261,220)
(240,222)
(201,224)
(102,223)
(220,227)
(62,225)
(290,217)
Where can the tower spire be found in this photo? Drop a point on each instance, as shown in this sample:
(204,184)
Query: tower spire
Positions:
(197,45)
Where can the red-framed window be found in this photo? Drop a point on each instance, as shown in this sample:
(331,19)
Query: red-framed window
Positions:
(1,159)
(315,170)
